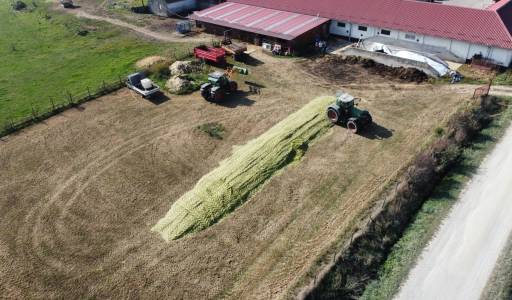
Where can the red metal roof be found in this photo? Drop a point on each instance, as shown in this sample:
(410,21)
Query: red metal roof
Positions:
(504,9)
(479,26)
(271,22)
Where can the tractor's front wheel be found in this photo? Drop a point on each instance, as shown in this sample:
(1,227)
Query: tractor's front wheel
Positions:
(352,125)
(333,115)
(207,94)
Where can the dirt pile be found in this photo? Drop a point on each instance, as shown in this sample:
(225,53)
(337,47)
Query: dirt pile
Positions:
(231,184)
(180,68)
(178,85)
(336,68)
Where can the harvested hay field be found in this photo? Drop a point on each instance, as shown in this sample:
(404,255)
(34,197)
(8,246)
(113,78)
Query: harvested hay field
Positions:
(80,192)
(334,68)
(236,178)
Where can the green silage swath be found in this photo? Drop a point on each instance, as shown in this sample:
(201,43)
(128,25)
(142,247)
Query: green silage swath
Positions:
(249,167)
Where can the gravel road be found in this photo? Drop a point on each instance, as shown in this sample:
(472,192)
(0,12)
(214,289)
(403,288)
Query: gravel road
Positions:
(460,259)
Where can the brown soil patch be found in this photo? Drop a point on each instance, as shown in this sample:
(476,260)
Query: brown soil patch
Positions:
(149,61)
(80,192)
(336,68)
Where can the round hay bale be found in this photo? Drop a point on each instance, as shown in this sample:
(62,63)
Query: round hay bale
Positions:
(178,85)
(180,68)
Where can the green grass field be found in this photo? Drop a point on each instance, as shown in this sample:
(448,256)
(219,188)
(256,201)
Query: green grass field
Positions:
(43,56)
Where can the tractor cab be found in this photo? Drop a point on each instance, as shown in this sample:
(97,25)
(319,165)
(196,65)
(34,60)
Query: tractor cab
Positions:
(345,112)
(217,78)
(345,101)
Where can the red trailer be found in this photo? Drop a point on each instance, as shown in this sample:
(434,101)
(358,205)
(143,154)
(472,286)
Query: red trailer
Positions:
(215,55)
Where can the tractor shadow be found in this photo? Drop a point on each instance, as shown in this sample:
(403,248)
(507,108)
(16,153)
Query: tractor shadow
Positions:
(376,132)
(252,61)
(158,98)
(238,99)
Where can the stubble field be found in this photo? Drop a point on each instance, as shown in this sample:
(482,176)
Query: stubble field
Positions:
(80,192)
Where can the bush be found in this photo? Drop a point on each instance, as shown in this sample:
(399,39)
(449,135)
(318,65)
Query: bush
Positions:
(19,5)
(439,131)
(214,130)
(446,155)
(160,71)
(464,126)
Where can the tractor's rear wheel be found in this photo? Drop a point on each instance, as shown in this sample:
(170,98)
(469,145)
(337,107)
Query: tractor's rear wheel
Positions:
(333,115)
(352,125)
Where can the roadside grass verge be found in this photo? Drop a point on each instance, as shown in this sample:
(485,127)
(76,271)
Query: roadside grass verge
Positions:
(408,249)
(47,55)
(499,286)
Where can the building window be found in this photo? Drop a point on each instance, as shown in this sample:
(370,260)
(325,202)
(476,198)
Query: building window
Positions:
(410,36)
(385,32)
(362,28)
(340,24)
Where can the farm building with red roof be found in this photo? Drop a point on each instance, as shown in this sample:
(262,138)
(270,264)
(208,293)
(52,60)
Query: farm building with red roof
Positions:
(465,32)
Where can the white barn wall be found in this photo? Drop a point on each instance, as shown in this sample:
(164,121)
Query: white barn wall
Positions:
(479,49)
(336,30)
(459,48)
(437,42)
(393,34)
(359,34)
(499,54)
(418,38)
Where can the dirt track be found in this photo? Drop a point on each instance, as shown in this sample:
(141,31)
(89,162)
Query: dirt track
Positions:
(164,37)
(80,192)
(460,258)
(160,29)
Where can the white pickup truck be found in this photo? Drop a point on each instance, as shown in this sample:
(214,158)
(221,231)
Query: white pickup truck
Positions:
(142,85)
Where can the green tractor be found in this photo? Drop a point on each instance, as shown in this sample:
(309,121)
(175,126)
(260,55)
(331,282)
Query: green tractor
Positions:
(217,87)
(345,112)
